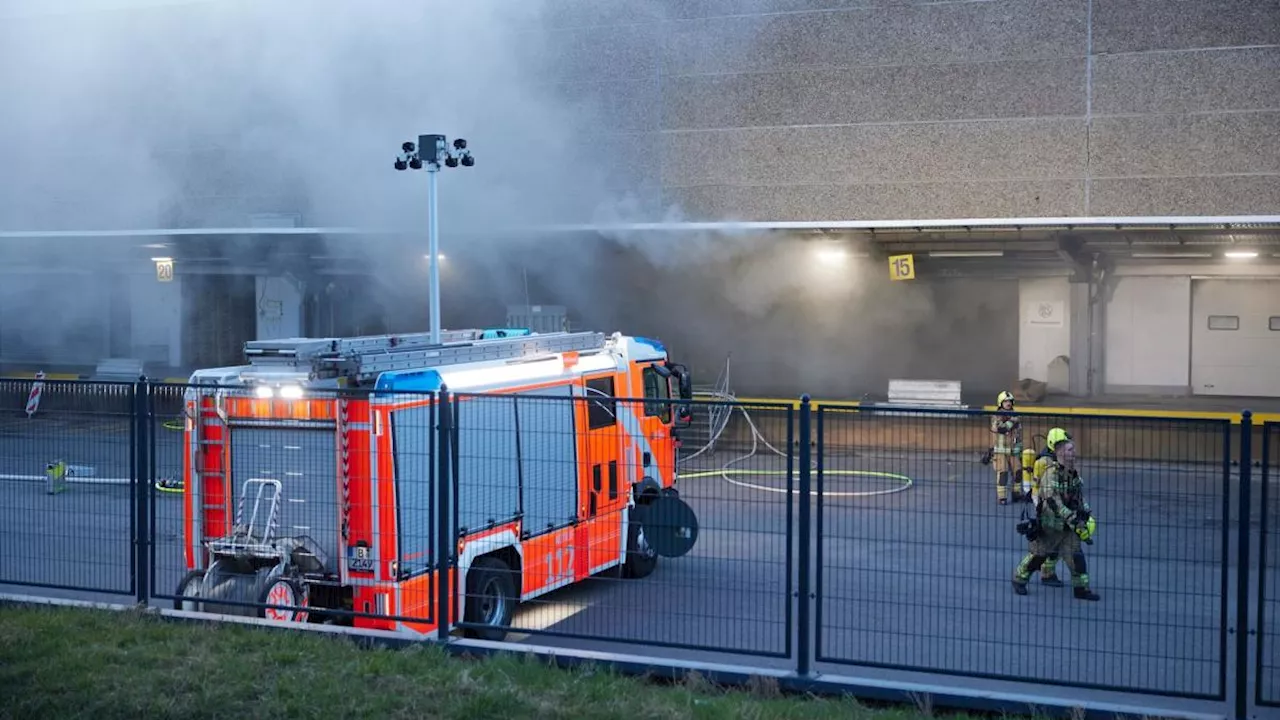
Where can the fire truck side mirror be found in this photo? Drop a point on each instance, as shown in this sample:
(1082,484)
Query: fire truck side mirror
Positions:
(685,379)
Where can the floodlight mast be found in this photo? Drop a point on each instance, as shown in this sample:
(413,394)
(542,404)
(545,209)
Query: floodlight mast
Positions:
(430,152)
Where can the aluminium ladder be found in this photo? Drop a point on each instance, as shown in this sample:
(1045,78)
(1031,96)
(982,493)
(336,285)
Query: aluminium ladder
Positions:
(362,359)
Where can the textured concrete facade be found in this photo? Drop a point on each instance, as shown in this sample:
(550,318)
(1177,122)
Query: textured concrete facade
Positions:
(872,109)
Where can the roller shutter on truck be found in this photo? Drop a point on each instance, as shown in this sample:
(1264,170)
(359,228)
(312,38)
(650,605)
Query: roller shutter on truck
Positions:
(305,463)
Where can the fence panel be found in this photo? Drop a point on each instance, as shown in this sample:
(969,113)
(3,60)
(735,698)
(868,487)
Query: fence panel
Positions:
(917,557)
(1267,663)
(297,506)
(67,487)
(556,473)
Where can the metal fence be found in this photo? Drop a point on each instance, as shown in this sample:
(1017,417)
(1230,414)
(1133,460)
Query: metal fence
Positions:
(826,538)
(917,556)
(83,435)
(1267,676)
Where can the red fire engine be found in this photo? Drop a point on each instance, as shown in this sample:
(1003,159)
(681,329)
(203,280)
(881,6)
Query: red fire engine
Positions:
(314,479)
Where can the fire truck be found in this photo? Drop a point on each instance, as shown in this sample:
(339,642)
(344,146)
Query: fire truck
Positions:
(314,475)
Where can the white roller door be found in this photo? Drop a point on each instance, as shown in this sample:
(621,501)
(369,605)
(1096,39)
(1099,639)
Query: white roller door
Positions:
(1235,337)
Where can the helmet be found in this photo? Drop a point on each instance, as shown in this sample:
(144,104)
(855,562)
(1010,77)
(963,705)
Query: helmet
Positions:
(1056,436)
(1004,395)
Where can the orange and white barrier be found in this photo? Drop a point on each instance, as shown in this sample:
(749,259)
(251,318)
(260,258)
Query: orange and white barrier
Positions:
(33,398)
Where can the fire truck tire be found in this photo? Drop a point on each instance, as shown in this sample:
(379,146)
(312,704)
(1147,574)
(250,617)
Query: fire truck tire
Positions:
(491,598)
(283,591)
(642,560)
(188,589)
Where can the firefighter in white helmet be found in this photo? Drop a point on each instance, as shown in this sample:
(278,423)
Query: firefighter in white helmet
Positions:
(1007,452)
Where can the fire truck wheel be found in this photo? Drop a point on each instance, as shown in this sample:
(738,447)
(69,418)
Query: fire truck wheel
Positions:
(641,557)
(189,589)
(491,598)
(283,591)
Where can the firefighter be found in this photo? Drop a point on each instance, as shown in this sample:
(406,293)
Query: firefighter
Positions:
(1063,519)
(1007,453)
(1056,436)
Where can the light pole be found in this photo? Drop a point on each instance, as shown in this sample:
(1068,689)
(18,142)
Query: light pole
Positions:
(431,151)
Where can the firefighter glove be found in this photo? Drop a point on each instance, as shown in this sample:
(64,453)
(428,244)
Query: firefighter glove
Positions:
(1087,529)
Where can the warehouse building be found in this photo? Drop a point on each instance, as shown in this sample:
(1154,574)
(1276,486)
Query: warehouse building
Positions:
(957,118)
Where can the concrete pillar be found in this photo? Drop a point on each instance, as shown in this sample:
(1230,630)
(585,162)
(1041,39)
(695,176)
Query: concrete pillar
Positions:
(1078,304)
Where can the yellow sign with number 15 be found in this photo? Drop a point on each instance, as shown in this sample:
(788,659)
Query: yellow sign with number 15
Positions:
(902,267)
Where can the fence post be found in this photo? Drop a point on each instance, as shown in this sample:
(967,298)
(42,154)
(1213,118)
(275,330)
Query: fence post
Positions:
(142,486)
(1242,575)
(803,648)
(444,541)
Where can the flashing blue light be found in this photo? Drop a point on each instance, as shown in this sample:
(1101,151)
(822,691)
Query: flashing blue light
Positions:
(409,381)
(652,343)
(495,333)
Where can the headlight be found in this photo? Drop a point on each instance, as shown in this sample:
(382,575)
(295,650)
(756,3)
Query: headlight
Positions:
(263,391)
(291,392)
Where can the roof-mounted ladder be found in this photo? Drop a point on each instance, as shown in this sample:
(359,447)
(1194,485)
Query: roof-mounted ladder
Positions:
(363,358)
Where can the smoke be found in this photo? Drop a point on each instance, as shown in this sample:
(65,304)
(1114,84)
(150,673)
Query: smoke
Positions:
(211,111)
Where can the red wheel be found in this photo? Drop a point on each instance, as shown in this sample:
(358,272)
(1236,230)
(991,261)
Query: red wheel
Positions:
(283,591)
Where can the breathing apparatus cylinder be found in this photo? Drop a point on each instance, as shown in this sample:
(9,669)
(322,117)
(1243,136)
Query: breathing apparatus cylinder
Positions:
(1028,463)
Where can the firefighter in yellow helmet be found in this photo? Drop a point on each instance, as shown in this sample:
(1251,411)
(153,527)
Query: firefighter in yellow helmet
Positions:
(1063,520)
(1007,452)
(1056,436)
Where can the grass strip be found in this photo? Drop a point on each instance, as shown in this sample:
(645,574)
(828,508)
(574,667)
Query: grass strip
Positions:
(79,662)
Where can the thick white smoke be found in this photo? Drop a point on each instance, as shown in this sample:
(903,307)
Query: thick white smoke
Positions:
(206,112)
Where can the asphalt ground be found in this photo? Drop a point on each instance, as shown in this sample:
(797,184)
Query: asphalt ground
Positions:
(917,578)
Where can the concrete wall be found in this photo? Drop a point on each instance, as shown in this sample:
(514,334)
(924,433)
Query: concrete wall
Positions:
(830,109)
(1044,330)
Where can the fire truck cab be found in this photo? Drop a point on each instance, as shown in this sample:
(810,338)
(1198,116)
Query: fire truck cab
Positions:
(315,475)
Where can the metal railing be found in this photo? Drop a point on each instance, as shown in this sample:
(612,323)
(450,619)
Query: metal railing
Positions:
(827,538)
(1267,657)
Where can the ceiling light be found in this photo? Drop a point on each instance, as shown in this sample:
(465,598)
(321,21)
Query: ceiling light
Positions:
(1172,255)
(1243,254)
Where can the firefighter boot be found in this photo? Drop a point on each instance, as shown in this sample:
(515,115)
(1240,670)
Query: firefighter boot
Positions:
(1002,490)
(1084,593)
(1049,572)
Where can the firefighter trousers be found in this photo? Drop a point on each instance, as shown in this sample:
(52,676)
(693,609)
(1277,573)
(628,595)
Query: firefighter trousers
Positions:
(1046,550)
(1012,469)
